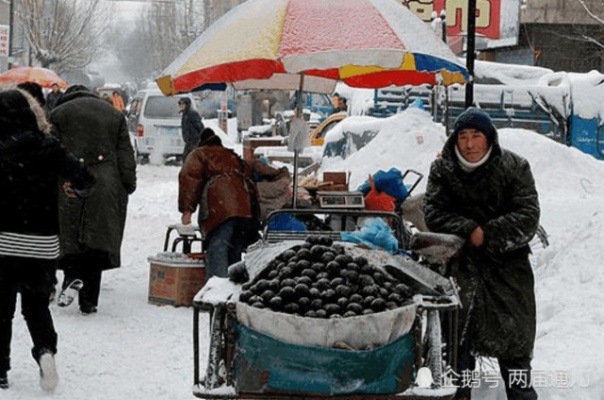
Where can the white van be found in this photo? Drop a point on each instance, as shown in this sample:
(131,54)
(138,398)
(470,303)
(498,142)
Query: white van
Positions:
(154,124)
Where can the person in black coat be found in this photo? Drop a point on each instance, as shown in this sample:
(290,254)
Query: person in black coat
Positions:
(53,97)
(486,195)
(92,229)
(191,126)
(31,162)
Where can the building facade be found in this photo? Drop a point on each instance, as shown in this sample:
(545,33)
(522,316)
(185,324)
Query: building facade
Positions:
(557,34)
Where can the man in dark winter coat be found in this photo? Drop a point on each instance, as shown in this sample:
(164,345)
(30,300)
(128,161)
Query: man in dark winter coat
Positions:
(53,97)
(221,183)
(487,195)
(31,162)
(191,126)
(92,229)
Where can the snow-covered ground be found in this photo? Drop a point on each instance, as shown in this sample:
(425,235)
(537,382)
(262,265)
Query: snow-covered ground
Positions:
(133,350)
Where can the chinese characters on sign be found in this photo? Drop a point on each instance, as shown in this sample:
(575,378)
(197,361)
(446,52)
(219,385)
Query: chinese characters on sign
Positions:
(4,40)
(488,15)
(558,379)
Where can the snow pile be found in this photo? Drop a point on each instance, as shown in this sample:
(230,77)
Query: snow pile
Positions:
(508,74)
(588,94)
(406,140)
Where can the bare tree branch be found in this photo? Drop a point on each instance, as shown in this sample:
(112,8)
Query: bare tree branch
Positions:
(590,13)
(63,34)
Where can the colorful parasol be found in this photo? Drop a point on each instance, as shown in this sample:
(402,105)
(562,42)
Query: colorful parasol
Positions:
(42,76)
(270,43)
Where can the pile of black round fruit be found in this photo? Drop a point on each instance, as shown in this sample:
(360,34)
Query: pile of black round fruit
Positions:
(318,279)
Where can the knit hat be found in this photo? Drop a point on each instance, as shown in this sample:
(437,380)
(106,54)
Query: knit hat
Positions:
(184,100)
(474,118)
(208,138)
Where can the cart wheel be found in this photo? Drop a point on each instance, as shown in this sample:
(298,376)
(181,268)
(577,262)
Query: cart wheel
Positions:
(435,356)
(212,379)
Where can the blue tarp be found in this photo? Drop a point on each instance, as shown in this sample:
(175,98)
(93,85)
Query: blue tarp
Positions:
(588,136)
(263,364)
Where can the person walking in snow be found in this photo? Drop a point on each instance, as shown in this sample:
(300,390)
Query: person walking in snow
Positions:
(92,229)
(221,184)
(53,97)
(190,125)
(118,101)
(485,194)
(31,162)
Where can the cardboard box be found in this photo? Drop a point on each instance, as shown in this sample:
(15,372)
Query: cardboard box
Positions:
(336,178)
(250,144)
(175,283)
(330,187)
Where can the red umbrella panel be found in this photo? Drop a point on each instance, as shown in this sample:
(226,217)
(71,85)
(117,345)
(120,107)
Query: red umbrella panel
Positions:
(42,76)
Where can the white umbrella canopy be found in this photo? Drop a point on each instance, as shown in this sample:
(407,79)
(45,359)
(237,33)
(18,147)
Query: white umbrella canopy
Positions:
(267,44)
(310,45)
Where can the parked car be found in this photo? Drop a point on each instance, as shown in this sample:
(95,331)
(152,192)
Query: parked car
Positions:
(154,125)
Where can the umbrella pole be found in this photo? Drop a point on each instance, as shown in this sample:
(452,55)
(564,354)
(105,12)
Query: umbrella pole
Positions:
(471,52)
(298,115)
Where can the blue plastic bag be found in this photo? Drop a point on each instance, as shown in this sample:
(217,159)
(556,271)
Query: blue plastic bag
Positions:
(285,222)
(390,182)
(375,234)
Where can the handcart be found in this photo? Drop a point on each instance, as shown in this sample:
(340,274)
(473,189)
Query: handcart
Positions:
(244,362)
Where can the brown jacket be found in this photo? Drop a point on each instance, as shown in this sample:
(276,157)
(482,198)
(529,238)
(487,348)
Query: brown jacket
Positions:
(220,182)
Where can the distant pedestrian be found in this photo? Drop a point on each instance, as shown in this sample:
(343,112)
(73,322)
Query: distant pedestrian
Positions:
(92,228)
(191,126)
(334,99)
(118,101)
(53,97)
(340,104)
(31,162)
(221,184)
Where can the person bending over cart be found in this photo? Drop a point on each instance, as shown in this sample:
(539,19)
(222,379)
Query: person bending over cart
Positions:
(218,181)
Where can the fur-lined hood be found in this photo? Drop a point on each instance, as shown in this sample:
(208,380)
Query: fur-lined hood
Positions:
(19,111)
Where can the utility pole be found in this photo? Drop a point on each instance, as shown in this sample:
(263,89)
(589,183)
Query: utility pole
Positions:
(443,18)
(10,32)
(470,51)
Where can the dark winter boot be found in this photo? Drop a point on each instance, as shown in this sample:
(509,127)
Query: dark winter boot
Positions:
(3,380)
(87,310)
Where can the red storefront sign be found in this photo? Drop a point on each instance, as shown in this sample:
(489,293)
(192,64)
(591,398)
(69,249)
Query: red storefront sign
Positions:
(488,15)
(4,40)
